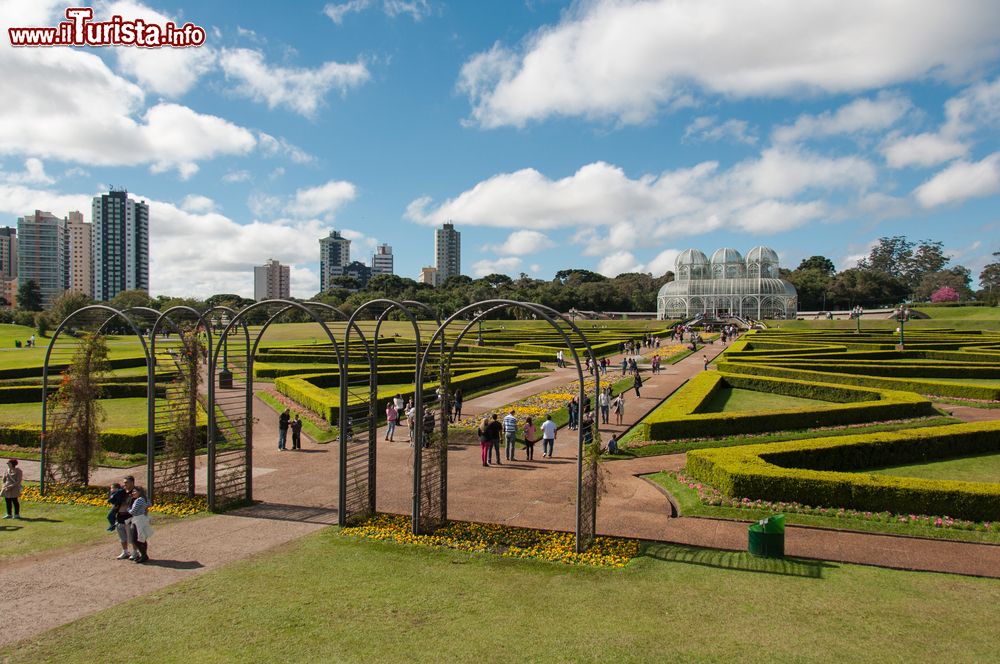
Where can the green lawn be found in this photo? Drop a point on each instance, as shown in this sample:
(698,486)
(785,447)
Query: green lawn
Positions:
(326,598)
(729,400)
(119,413)
(46,526)
(985,468)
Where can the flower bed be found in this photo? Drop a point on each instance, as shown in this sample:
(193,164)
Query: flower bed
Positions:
(709,495)
(173,505)
(539,405)
(505,541)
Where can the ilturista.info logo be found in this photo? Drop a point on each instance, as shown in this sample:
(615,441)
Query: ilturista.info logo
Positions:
(79,29)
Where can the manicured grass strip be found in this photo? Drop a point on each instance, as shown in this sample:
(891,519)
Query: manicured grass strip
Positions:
(690,505)
(984,468)
(44,527)
(729,400)
(342,600)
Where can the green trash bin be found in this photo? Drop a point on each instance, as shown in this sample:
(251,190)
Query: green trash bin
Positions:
(767,537)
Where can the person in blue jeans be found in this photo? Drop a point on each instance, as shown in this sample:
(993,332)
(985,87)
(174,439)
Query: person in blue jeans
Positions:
(510,434)
(283,421)
(493,437)
(116,496)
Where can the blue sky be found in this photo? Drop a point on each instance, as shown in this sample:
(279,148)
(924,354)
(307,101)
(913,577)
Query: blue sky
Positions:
(607,135)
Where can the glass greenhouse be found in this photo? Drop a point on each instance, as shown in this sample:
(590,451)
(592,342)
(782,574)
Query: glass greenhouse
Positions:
(727,285)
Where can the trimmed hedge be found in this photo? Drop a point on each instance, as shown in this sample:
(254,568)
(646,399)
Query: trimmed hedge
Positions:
(310,390)
(762,471)
(33,393)
(131,440)
(959,390)
(679,417)
(55,369)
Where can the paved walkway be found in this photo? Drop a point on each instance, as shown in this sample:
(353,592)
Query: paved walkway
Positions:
(61,587)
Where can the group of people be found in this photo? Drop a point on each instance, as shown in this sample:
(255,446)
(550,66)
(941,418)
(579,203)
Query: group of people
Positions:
(286,423)
(609,404)
(28,343)
(636,347)
(491,428)
(629,366)
(129,516)
(396,410)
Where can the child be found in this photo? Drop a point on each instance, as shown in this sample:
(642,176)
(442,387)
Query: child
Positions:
(116,495)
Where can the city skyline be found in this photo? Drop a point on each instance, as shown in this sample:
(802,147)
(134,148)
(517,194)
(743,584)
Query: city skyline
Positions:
(823,128)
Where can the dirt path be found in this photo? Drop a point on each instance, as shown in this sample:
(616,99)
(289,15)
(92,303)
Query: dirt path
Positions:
(299,490)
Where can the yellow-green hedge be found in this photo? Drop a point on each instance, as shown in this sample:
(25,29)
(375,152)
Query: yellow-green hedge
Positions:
(679,417)
(811,471)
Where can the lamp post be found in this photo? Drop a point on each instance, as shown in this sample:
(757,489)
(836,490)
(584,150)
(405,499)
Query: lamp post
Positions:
(856,315)
(902,315)
(478,315)
(225,375)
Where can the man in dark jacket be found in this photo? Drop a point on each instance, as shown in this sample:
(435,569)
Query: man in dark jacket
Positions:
(283,421)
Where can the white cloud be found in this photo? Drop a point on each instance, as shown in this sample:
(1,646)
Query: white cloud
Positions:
(663,262)
(323,200)
(770,193)
(960,181)
(166,71)
(300,89)
(197,204)
(487,266)
(707,128)
(609,59)
(858,117)
(34,173)
(236,176)
(922,150)
(617,263)
(272,146)
(66,104)
(520,243)
(415,9)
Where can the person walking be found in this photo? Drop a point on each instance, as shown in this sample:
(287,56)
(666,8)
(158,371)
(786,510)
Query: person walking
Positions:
(139,525)
(604,401)
(411,415)
(530,438)
(624,365)
(391,420)
(493,436)
(400,405)
(510,435)
(484,441)
(705,358)
(283,421)
(13,480)
(548,436)
(574,411)
(296,427)
(619,408)
(637,384)
(457,413)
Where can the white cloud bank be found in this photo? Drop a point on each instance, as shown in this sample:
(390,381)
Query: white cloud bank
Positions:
(622,61)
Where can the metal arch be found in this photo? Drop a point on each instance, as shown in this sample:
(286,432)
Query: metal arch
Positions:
(240,317)
(418,404)
(45,371)
(164,317)
(537,310)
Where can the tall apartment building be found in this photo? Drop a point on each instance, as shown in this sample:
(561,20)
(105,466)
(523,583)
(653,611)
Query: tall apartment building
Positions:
(271,281)
(382,260)
(80,255)
(41,254)
(334,255)
(120,244)
(448,250)
(8,253)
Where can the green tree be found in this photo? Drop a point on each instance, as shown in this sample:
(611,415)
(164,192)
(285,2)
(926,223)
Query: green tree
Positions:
(821,264)
(890,255)
(75,413)
(29,296)
(132,298)
(989,279)
(66,304)
(957,278)
(867,288)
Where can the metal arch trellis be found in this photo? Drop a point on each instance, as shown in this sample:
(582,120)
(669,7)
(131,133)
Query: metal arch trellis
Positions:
(99,316)
(585,522)
(357,459)
(235,421)
(177,416)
